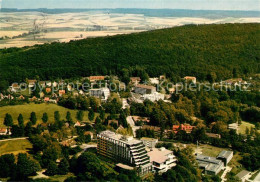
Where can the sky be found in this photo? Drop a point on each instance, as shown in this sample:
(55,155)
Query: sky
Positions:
(149,4)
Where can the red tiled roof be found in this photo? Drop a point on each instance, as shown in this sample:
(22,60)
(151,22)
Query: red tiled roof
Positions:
(186,127)
(92,78)
(145,86)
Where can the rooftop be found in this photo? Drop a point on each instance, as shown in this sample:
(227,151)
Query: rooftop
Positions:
(125,139)
(242,174)
(208,159)
(145,86)
(224,154)
(159,155)
(149,139)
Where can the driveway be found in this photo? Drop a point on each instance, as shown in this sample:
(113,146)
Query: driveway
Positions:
(131,122)
(227,170)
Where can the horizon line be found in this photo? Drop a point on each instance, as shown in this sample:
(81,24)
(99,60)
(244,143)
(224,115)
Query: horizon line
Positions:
(126,8)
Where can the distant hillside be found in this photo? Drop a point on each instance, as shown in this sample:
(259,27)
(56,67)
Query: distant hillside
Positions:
(227,50)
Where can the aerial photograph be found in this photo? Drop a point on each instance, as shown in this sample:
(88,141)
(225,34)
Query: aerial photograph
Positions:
(130,90)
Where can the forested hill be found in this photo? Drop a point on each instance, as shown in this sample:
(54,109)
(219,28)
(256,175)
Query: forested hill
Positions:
(227,50)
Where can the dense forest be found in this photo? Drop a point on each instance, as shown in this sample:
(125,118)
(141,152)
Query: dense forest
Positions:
(227,50)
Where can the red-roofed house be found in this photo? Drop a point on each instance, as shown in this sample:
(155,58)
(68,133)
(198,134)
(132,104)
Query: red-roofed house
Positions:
(46,99)
(96,78)
(5,131)
(185,127)
(135,80)
(62,92)
(48,90)
(190,78)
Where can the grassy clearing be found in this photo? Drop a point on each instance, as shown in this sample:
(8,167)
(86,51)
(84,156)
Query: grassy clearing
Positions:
(60,178)
(208,150)
(244,125)
(15,146)
(39,109)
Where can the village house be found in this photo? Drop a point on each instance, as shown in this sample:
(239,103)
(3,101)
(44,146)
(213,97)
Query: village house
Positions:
(139,118)
(5,131)
(54,84)
(184,127)
(31,83)
(162,77)
(48,90)
(48,83)
(233,126)
(21,97)
(78,124)
(154,80)
(15,87)
(190,78)
(213,135)
(135,80)
(46,99)
(144,89)
(42,84)
(96,78)
(61,92)
(171,90)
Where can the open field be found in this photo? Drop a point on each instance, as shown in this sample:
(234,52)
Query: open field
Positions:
(244,125)
(15,146)
(39,109)
(64,27)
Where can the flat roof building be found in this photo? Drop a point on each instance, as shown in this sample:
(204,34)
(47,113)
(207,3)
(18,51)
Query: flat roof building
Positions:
(210,165)
(225,156)
(102,93)
(162,159)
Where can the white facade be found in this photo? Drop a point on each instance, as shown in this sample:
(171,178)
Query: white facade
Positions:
(154,80)
(102,93)
(162,159)
(153,97)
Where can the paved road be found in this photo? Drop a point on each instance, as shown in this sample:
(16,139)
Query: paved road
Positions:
(257,178)
(227,170)
(10,139)
(131,122)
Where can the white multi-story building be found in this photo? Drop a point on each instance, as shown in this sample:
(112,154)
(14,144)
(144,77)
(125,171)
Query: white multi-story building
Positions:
(153,97)
(124,149)
(162,159)
(102,93)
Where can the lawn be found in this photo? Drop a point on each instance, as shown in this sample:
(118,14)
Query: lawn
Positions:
(242,127)
(39,109)
(208,150)
(15,146)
